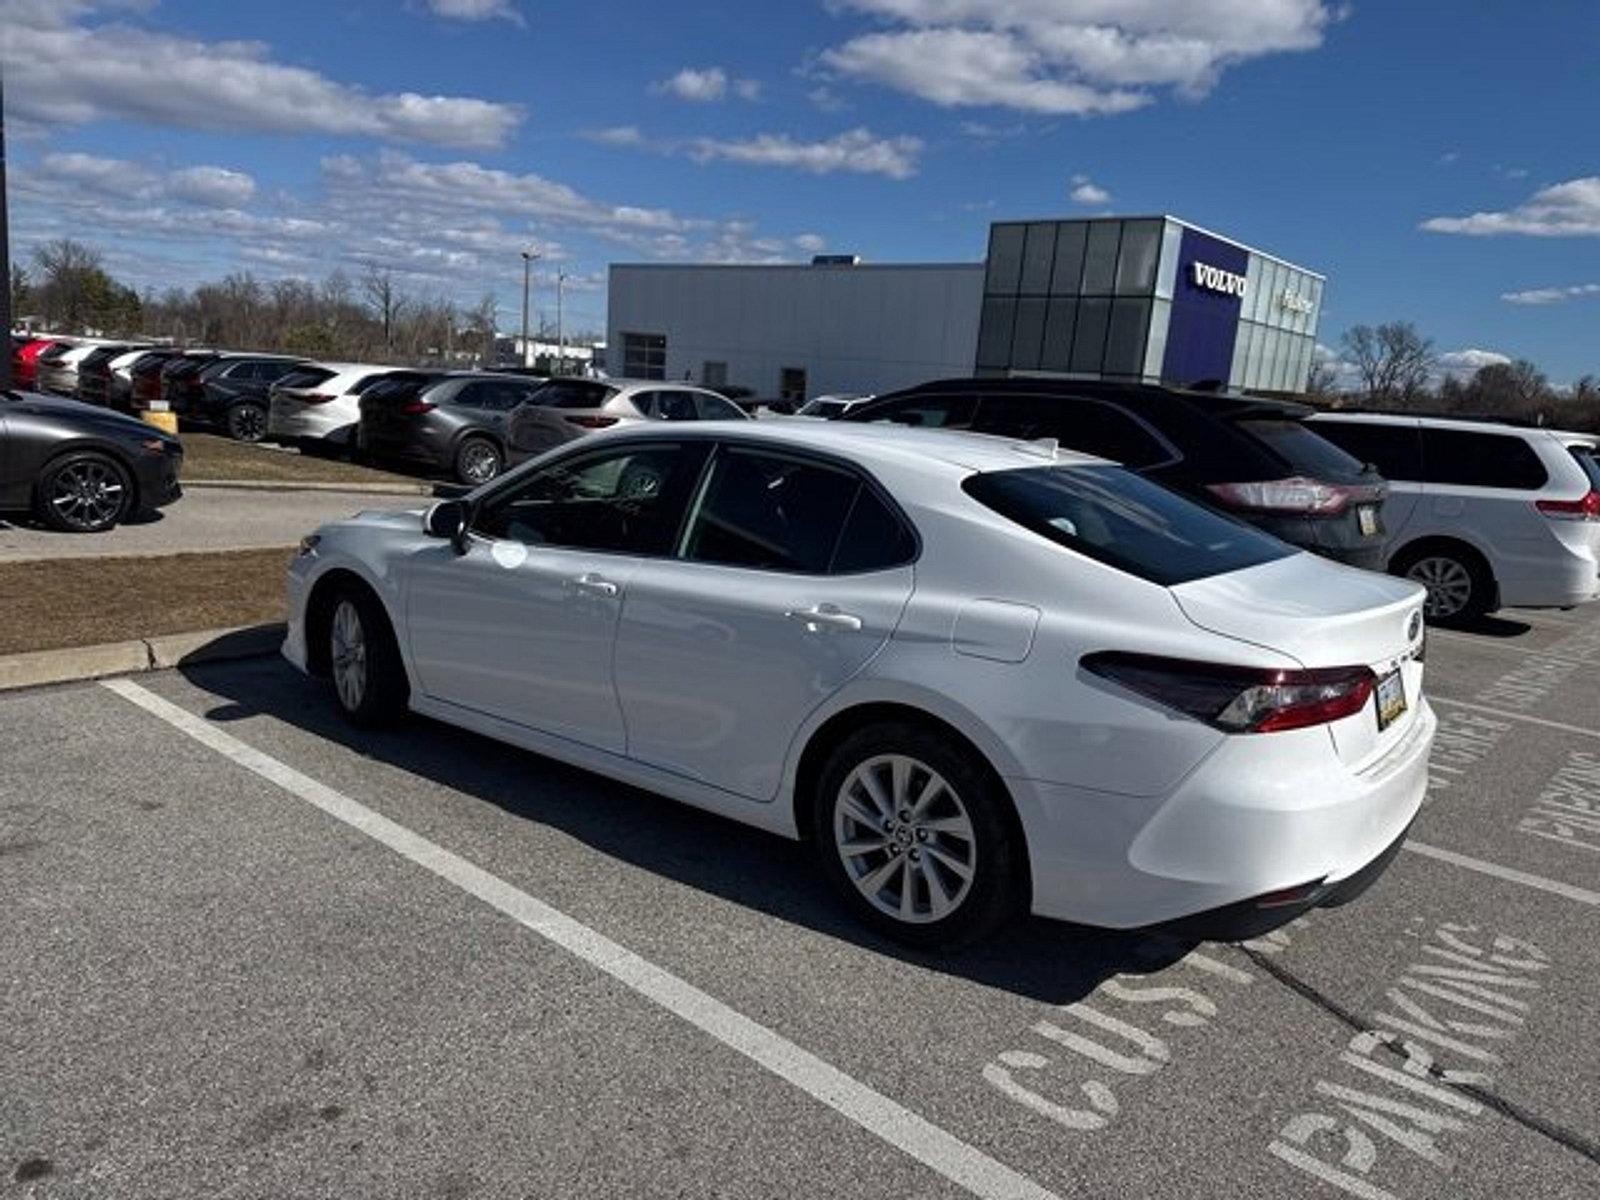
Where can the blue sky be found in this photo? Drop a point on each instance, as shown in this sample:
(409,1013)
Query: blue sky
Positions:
(1438,160)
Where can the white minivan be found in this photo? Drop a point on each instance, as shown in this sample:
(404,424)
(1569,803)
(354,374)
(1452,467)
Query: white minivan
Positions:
(1485,515)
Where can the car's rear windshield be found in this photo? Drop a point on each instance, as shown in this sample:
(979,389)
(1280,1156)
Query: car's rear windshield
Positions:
(1302,447)
(825,408)
(571,393)
(1589,459)
(1126,521)
(305,377)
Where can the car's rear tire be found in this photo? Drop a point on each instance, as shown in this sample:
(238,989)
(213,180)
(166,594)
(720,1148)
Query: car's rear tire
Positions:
(917,837)
(364,665)
(247,422)
(86,492)
(478,460)
(1460,585)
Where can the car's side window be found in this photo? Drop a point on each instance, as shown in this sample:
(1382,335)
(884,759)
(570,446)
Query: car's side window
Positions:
(1471,459)
(646,403)
(628,500)
(715,408)
(948,411)
(1085,425)
(1396,450)
(772,512)
(875,537)
(675,406)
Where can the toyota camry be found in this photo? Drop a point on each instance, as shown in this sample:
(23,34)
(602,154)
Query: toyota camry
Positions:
(981,676)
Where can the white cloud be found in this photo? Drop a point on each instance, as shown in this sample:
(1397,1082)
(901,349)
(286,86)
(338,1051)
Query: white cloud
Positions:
(811,243)
(858,150)
(706,85)
(59,72)
(215,186)
(1552,295)
(476,10)
(1570,209)
(1460,364)
(1084,57)
(617,135)
(1086,191)
(825,99)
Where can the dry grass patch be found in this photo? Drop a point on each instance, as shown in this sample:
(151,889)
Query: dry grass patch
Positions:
(86,601)
(206,456)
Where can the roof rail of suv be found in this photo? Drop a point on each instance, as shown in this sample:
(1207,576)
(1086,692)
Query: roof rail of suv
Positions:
(1431,415)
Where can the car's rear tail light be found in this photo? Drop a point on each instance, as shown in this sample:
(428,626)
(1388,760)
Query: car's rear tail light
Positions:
(1297,494)
(1240,699)
(415,408)
(591,422)
(317,398)
(1587,509)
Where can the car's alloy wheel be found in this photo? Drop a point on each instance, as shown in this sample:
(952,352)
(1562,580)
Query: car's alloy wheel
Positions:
(1449,585)
(905,838)
(247,423)
(477,461)
(86,495)
(347,657)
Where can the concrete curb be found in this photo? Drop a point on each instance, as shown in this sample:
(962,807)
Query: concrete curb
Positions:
(76,663)
(289,485)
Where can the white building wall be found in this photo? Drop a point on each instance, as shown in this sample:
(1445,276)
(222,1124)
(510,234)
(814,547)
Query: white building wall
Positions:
(868,328)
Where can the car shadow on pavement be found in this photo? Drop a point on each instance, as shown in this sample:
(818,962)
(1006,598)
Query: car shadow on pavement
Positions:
(1495,627)
(1043,960)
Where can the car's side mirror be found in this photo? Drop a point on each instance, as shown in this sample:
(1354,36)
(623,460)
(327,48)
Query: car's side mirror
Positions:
(448,519)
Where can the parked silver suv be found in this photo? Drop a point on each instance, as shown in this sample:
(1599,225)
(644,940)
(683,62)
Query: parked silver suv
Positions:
(1483,514)
(565,409)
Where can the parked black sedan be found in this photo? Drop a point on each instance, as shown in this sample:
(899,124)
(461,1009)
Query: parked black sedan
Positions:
(452,422)
(82,469)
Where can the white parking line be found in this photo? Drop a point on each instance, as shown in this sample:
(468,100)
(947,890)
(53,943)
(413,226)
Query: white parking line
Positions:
(1554,886)
(1435,698)
(895,1124)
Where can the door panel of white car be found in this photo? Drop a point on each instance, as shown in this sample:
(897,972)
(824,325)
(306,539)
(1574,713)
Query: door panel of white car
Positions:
(792,576)
(522,625)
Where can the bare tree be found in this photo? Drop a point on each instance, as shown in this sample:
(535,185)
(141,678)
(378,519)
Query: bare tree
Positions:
(385,301)
(1394,360)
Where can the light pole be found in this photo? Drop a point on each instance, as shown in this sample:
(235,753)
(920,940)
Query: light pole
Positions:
(5,254)
(529,257)
(561,340)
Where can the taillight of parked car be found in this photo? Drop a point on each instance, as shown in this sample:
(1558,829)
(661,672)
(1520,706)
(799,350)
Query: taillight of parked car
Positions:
(591,422)
(1240,699)
(317,398)
(1587,509)
(415,408)
(1307,497)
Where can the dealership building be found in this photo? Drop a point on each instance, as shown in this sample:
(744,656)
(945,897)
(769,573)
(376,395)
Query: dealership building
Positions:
(1150,299)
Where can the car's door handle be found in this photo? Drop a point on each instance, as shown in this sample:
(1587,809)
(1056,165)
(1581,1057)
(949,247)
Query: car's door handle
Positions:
(595,585)
(824,617)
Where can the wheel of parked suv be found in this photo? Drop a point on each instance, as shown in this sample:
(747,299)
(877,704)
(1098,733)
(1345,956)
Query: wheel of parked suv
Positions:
(916,837)
(478,460)
(364,666)
(1459,585)
(247,422)
(85,492)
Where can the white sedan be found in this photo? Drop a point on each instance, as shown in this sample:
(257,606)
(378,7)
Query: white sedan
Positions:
(979,675)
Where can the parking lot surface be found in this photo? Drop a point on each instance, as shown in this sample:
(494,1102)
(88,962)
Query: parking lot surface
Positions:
(249,952)
(205,519)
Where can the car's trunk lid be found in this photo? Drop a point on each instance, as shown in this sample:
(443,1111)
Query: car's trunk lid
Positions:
(1326,615)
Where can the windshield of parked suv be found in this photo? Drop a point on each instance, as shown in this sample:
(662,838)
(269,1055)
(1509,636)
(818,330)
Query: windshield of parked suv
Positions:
(825,408)
(1125,521)
(1302,447)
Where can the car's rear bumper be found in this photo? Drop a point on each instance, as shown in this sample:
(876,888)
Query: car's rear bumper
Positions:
(290,419)
(1260,815)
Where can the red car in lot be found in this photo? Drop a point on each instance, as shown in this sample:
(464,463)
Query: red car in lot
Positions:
(25,360)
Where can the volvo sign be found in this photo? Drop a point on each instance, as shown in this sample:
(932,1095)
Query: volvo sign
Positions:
(1215,279)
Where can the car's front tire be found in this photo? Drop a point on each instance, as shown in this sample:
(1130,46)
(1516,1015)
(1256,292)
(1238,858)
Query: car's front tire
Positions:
(87,492)
(364,666)
(915,836)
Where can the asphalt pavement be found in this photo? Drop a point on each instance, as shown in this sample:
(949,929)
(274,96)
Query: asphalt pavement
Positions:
(250,952)
(203,519)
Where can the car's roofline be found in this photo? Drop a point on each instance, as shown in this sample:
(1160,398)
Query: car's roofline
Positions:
(1462,424)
